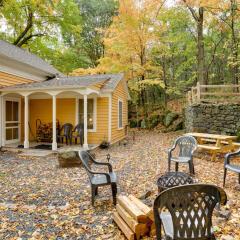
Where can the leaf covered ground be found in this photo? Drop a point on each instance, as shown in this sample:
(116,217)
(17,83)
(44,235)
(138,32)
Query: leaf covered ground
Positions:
(39,200)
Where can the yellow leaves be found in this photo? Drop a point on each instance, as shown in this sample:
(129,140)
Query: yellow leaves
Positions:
(88,71)
(152,82)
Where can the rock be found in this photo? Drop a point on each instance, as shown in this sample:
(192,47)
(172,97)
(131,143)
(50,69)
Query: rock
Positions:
(69,159)
(146,195)
(225,214)
(170,117)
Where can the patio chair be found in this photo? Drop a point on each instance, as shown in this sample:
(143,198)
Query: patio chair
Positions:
(79,130)
(186,146)
(67,133)
(232,167)
(98,179)
(185,212)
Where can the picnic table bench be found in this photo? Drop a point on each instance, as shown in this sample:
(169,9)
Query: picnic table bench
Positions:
(221,143)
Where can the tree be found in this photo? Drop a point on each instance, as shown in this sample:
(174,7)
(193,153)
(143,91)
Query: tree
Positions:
(128,42)
(97,17)
(51,29)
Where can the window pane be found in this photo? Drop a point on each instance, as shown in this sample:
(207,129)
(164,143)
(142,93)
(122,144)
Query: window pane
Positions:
(15,133)
(15,111)
(8,111)
(90,106)
(81,106)
(9,134)
(90,110)
(120,114)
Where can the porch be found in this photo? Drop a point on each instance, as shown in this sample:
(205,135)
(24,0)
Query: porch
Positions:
(20,111)
(43,149)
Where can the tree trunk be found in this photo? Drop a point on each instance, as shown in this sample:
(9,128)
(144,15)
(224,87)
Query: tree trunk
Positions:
(234,44)
(202,78)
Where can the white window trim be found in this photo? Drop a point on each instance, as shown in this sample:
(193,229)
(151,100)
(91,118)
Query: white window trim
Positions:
(94,113)
(120,100)
(16,99)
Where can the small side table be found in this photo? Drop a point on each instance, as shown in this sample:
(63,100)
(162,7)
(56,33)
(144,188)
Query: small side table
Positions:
(173,179)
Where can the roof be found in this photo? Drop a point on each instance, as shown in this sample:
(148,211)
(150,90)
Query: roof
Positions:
(23,56)
(109,81)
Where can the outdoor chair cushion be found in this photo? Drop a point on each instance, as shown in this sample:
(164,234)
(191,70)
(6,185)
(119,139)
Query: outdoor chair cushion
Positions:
(101,179)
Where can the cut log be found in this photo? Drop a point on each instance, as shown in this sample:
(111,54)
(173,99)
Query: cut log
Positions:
(153,230)
(123,226)
(132,209)
(143,207)
(140,229)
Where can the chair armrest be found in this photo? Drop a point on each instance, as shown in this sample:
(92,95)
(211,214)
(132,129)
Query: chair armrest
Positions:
(102,173)
(170,152)
(229,156)
(103,164)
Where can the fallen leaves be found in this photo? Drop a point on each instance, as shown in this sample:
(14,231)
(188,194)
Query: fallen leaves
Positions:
(38,200)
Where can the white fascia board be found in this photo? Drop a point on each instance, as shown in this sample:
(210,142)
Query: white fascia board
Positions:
(21,70)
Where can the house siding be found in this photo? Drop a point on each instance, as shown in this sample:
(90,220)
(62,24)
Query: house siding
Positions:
(42,109)
(120,93)
(7,79)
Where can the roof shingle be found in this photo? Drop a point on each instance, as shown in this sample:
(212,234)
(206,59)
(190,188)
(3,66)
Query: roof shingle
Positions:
(110,82)
(20,55)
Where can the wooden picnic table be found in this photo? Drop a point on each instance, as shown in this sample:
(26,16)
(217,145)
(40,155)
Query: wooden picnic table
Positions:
(220,143)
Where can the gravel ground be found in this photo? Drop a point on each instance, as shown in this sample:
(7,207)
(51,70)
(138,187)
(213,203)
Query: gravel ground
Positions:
(39,200)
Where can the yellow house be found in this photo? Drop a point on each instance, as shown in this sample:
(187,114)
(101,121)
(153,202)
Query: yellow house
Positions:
(33,91)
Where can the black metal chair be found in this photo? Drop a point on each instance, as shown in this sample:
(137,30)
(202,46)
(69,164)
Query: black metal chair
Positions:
(67,133)
(232,167)
(186,146)
(79,130)
(185,212)
(98,179)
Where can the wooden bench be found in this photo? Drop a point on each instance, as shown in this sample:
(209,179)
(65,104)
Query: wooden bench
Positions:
(212,149)
(209,147)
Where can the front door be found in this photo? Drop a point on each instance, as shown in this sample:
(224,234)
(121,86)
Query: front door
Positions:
(12,120)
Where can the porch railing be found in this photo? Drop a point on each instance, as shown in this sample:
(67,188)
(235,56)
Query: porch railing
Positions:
(214,94)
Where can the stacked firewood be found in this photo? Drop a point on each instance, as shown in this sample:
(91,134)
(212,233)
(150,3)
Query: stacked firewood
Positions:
(134,218)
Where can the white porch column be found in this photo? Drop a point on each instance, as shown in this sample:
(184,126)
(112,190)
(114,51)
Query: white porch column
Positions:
(1,120)
(85,145)
(110,118)
(26,120)
(54,125)
(76,110)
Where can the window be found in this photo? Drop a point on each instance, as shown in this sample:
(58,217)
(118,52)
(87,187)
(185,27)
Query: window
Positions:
(90,113)
(120,114)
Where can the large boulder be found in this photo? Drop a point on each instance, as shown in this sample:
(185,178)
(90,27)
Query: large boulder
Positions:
(68,159)
(169,118)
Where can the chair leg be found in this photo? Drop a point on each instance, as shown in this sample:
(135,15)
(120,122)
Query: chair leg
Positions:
(169,165)
(93,194)
(191,167)
(176,166)
(224,177)
(114,193)
(239,178)
(96,191)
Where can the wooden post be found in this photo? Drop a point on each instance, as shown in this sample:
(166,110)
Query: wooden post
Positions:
(198,92)
(54,125)
(26,119)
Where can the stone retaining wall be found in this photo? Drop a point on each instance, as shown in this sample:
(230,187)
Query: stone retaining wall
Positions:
(213,118)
